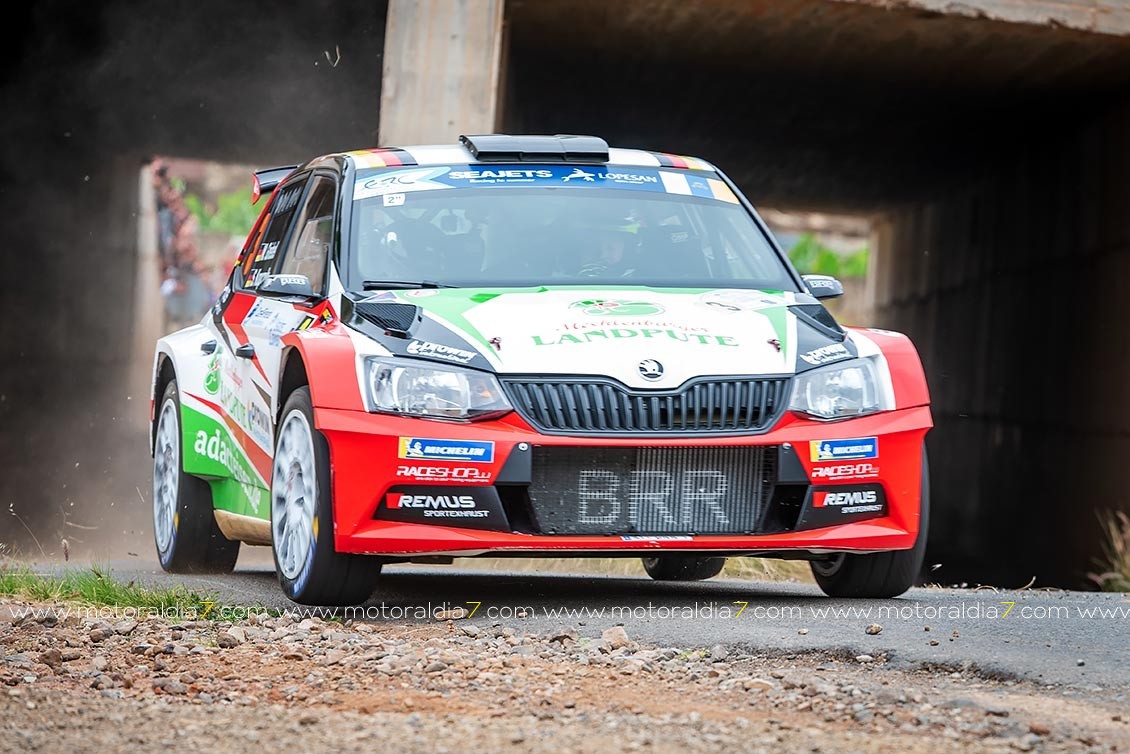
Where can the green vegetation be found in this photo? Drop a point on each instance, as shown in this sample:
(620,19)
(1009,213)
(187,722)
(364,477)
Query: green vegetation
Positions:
(814,258)
(233,213)
(1115,560)
(95,587)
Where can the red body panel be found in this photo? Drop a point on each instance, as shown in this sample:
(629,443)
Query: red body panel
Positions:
(364,460)
(364,448)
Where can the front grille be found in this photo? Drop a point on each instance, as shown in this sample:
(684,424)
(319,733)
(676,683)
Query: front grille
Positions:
(600,406)
(650,490)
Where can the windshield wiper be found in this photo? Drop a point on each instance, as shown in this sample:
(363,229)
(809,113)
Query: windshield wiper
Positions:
(400,285)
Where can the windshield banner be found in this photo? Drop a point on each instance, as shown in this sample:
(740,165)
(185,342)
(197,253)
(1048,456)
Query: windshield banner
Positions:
(395,183)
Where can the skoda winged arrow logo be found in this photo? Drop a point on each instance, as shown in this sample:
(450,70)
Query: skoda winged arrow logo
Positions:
(650,369)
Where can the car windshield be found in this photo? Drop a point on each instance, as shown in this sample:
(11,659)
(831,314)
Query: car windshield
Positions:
(526,225)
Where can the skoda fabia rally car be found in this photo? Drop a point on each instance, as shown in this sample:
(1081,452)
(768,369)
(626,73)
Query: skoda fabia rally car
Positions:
(531,346)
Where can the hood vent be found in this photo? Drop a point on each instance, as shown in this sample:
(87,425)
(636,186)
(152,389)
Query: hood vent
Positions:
(397,319)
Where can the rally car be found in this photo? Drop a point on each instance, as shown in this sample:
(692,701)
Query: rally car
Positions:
(531,345)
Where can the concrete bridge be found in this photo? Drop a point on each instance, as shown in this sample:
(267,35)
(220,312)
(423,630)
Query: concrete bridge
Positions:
(988,139)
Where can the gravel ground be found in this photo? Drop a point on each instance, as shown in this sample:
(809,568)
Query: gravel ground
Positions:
(68,684)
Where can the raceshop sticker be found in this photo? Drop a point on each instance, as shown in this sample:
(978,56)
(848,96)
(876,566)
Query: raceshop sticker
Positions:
(846,471)
(440,351)
(444,474)
(824,355)
(860,448)
(475,451)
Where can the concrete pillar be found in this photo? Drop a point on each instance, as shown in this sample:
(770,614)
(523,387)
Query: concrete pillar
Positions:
(442,68)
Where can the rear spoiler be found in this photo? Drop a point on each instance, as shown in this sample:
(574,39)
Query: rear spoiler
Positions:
(266,181)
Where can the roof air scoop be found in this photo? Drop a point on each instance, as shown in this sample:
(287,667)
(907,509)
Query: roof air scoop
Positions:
(560,148)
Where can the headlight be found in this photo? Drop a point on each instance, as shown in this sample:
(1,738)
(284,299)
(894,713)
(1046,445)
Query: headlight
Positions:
(415,388)
(840,391)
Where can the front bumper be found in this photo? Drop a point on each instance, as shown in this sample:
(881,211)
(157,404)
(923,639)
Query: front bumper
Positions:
(874,505)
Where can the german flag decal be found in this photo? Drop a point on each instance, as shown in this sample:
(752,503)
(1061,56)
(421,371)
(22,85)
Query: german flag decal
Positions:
(381,158)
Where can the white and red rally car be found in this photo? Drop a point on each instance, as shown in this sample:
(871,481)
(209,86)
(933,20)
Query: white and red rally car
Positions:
(529,345)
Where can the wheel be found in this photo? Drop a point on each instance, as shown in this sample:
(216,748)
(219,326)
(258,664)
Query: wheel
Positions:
(881,574)
(184,525)
(682,567)
(310,571)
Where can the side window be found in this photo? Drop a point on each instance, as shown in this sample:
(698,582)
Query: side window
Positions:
(309,245)
(259,260)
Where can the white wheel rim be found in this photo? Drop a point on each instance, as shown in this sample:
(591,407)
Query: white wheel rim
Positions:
(294,494)
(166,476)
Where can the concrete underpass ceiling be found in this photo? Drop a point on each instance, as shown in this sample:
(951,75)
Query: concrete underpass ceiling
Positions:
(807,103)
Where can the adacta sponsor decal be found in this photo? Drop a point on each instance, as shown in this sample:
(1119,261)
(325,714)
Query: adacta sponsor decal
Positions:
(599,307)
(446,450)
(834,352)
(440,351)
(215,447)
(444,474)
(858,448)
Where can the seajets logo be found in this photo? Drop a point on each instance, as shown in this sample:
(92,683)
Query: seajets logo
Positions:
(439,351)
(446,450)
(826,354)
(860,448)
(836,499)
(502,176)
(599,307)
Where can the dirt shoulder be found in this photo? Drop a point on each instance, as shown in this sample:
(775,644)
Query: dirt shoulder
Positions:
(89,685)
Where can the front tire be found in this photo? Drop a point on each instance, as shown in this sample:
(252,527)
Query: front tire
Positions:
(682,567)
(310,571)
(882,574)
(185,532)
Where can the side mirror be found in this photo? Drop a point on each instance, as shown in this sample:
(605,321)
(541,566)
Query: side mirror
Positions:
(287,285)
(823,286)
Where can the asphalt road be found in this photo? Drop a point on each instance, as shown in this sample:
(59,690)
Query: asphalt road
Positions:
(1052,637)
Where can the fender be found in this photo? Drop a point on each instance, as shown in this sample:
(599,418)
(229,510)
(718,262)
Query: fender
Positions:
(907,377)
(177,350)
(330,357)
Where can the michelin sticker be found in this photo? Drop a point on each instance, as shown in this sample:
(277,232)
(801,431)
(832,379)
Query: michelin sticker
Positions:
(422,448)
(859,448)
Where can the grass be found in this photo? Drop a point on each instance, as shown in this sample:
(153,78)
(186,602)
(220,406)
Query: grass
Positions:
(762,569)
(1115,561)
(94,586)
